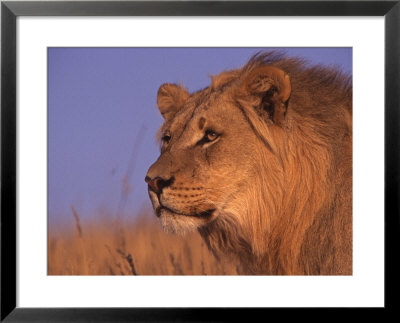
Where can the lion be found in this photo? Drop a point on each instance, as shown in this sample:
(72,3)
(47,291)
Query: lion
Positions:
(260,164)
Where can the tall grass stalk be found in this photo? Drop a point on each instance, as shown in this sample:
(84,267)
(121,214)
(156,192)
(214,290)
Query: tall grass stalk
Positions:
(81,242)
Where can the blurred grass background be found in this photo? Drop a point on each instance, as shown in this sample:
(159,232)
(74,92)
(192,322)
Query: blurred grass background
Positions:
(136,247)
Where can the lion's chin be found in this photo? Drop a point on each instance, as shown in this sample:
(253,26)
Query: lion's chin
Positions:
(172,222)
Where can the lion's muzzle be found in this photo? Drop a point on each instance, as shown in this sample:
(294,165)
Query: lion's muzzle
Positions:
(157,184)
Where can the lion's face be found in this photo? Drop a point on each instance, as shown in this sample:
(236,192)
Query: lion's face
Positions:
(206,159)
(210,149)
(261,171)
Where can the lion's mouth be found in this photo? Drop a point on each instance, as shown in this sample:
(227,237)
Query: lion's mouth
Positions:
(160,208)
(204,214)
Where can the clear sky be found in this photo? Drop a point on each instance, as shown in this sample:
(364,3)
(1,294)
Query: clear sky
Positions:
(102,117)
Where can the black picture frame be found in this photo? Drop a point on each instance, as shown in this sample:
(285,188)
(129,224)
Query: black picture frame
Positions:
(10,10)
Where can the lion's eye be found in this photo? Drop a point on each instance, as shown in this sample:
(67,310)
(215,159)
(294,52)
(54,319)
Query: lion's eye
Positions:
(210,135)
(166,138)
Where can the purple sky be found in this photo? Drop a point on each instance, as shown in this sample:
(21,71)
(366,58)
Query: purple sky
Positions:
(102,102)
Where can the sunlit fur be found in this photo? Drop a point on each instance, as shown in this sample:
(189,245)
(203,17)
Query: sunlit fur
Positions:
(289,212)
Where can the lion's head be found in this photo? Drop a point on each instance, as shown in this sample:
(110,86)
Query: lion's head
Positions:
(258,163)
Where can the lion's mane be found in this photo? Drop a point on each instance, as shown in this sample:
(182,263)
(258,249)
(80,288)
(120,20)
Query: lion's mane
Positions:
(309,229)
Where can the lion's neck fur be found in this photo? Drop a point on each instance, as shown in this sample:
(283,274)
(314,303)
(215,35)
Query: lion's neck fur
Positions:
(268,226)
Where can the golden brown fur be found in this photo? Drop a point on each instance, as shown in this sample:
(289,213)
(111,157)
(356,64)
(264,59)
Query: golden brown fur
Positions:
(260,163)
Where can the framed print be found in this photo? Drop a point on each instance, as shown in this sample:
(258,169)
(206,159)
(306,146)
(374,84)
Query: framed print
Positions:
(121,121)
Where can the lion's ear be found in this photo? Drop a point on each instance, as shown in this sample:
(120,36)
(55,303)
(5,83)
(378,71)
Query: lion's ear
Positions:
(272,87)
(170,99)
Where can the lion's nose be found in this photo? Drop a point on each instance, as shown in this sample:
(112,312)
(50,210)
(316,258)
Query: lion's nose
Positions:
(157,184)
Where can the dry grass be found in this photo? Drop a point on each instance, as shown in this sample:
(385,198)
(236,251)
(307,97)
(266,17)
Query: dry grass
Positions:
(140,247)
